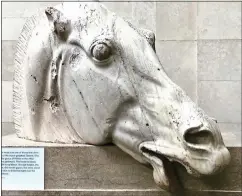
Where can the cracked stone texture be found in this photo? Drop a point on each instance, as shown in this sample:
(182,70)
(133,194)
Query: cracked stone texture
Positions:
(219,60)
(219,20)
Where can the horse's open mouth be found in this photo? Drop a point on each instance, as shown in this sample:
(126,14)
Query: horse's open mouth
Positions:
(165,171)
(168,173)
(157,153)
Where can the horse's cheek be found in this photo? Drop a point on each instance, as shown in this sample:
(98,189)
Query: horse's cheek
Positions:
(79,96)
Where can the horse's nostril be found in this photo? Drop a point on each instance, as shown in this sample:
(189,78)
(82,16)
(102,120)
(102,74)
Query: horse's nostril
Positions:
(198,136)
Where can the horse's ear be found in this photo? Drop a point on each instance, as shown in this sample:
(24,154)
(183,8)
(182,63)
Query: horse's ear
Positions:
(149,35)
(52,14)
(214,119)
(58,22)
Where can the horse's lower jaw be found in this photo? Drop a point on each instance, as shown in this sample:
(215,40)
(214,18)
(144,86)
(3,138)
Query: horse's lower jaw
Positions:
(159,171)
(154,153)
(164,172)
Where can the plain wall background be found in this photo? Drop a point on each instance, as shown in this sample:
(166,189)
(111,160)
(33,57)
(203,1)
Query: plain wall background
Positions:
(198,43)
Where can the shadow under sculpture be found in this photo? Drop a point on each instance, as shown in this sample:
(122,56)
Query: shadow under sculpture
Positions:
(85,75)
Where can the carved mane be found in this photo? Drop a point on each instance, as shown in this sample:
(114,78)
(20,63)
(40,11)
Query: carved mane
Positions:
(20,55)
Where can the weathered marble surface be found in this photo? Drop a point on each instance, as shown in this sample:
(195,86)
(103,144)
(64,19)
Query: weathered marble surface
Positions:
(80,79)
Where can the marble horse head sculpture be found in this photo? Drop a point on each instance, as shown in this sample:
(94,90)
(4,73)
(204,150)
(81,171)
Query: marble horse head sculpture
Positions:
(85,75)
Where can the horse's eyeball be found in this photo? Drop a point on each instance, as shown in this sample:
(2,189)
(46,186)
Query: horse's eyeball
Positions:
(101,52)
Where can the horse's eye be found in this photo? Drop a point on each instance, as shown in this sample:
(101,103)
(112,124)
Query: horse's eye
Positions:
(101,51)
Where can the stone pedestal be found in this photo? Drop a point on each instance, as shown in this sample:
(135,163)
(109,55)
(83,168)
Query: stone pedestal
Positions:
(79,169)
